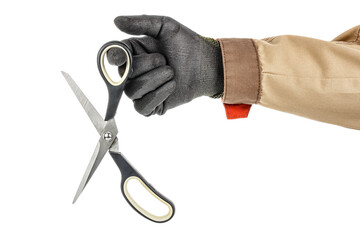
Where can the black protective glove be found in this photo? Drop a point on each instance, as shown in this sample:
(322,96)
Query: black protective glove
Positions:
(171,65)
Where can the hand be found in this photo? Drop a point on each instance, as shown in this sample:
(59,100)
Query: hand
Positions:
(171,65)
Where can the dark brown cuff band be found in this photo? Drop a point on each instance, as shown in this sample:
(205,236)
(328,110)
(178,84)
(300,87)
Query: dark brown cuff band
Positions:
(241,71)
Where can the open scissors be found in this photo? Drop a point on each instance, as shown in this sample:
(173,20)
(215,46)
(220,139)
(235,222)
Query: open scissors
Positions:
(108,139)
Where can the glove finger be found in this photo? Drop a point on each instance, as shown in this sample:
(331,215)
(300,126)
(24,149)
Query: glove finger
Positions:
(136,88)
(141,63)
(148,103)
(140,45)
(146,62)
(154,26)
(137,46)
(116,56)
(158,110)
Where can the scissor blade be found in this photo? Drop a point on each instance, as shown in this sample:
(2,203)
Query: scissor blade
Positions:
(90,110)
(99,153)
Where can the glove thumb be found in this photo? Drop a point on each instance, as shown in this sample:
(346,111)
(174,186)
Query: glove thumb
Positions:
(153,26)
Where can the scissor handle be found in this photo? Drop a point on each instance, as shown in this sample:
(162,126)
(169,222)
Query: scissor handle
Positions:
(128,173)
(115,88)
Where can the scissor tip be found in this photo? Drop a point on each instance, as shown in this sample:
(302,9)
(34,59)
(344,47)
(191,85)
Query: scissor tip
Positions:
(76,197)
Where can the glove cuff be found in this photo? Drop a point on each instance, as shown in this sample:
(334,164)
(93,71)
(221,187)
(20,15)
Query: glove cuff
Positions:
(212,70)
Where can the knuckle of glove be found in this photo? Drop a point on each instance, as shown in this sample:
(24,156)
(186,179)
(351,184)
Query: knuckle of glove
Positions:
(157,60)
(170,25)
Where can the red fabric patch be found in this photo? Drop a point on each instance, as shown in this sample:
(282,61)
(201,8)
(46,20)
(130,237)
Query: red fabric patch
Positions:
(234,111)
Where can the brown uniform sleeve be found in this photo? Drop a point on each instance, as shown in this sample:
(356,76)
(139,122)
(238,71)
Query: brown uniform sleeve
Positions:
(308,77)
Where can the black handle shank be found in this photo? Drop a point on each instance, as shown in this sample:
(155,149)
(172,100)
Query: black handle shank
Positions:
(115,91)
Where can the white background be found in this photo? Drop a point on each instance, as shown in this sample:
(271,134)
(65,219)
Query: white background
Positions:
(270,176)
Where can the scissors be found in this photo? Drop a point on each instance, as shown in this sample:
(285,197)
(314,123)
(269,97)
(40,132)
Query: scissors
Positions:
(108,135)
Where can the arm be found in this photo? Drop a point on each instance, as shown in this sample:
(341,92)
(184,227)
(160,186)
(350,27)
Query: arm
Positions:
(312,78)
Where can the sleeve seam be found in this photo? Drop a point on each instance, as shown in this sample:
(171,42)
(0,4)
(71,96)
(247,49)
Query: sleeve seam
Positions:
(224,68)
(259,71)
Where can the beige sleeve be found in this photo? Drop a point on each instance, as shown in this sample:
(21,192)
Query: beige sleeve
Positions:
(308,77)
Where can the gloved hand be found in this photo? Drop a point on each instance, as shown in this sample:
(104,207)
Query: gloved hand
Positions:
(171,65)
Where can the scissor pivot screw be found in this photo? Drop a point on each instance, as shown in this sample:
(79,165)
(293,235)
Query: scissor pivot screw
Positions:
(107,136)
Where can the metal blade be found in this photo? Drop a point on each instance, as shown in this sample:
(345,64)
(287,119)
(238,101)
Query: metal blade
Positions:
(99,153)
(105,142)
(94,116)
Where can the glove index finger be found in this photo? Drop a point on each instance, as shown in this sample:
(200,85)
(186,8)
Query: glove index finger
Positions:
(153,26)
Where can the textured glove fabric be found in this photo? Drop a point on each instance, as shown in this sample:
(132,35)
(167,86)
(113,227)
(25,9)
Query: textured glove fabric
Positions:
(171,64)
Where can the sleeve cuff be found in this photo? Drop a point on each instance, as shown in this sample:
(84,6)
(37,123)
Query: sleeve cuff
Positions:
(241,76)
(241,71)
